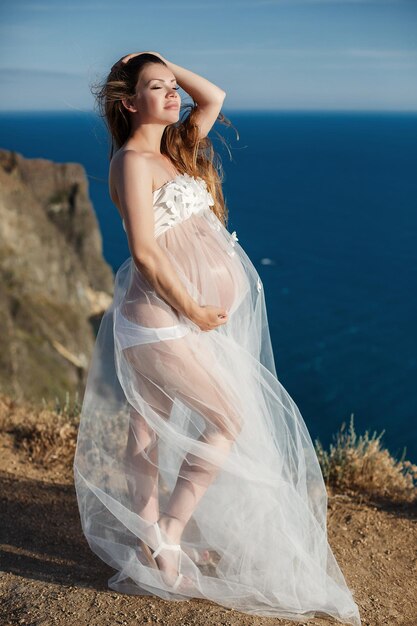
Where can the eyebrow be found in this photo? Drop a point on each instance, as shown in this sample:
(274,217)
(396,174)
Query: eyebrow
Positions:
(161,79)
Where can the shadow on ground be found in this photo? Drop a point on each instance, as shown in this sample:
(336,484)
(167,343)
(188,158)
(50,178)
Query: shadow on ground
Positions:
(41,534)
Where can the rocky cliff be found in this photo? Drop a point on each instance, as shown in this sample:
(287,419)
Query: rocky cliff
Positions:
(55,283)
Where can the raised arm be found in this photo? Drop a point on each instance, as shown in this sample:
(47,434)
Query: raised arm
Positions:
(208,96)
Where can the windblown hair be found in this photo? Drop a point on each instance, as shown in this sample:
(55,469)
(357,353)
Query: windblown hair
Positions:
(180,142)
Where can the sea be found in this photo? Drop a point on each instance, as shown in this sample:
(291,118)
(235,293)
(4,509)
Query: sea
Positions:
(325,205)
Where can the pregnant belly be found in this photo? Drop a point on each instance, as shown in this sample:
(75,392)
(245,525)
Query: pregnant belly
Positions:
(209,262)
(225,281)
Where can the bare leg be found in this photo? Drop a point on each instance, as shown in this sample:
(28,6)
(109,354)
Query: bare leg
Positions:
(195,476)
(142,452)
(142,455)
(195,378)
(223,423)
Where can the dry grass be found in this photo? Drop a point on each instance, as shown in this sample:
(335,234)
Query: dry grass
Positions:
(360,463)
(47,434)
(355,463)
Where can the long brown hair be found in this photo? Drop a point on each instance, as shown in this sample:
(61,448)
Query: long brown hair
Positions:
(180,142)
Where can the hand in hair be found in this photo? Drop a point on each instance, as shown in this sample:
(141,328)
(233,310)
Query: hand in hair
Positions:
(127,57)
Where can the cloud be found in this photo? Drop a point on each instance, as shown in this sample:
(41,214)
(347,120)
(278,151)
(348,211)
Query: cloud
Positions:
(19,73)
(374,53)
(377,54)
(256,3)
(74,6)
(80,6)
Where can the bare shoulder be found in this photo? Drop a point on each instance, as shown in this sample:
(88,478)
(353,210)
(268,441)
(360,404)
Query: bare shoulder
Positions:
(129,158)
(127,162)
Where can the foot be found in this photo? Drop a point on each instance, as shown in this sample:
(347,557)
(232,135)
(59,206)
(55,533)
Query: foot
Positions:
(169,562)
(167,558)
(173,528)
(199,558)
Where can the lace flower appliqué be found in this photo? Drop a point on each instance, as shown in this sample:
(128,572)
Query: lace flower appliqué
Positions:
(232,241)
(215,222)
(189,195)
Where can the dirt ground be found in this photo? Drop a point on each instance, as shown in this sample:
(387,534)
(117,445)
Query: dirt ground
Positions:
(50,576)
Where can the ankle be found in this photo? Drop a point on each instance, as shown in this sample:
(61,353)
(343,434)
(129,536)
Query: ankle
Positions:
(171,526)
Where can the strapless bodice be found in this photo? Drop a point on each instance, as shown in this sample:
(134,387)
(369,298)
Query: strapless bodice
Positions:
(178,199)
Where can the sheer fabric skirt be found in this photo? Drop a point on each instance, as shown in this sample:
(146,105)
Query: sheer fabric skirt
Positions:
(196,425)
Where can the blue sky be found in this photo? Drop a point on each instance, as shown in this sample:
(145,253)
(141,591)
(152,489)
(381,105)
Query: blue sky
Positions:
(266,54)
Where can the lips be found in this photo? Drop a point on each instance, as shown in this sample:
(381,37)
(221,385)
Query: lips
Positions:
(173,106)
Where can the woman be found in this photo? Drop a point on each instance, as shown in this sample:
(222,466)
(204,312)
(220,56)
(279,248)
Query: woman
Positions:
(194,470)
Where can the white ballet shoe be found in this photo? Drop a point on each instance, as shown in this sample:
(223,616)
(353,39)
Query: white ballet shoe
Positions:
(151,556)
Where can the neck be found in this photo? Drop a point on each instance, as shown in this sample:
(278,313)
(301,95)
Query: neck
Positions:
(148,136)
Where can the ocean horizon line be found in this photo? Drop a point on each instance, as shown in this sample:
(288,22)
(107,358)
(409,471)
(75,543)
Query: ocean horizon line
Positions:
(256,111)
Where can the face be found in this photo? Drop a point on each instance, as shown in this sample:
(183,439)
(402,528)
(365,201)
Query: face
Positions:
(157,94)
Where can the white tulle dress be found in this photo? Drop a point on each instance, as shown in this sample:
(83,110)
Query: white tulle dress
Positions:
(167,402)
